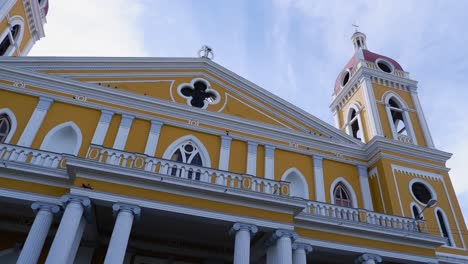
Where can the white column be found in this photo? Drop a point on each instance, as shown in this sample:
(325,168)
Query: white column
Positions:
(252,158)
(77,240)
(368,259)
(34,123)
(37,235)
(102,127)
(282,240)
(336,118)
(122,133)
(243,233)
(224,153)
(68,229)
(121,233)
(153,137)
(373,116)
(365,189)
(300,251)
(269,162)
(318,179)
(421,117)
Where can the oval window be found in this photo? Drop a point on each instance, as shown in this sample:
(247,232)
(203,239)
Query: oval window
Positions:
(384,66)
(421,192)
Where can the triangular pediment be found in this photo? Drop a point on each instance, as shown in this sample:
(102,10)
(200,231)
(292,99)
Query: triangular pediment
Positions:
(168,78)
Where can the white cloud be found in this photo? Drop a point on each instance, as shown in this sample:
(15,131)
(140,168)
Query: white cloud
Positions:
(92,28)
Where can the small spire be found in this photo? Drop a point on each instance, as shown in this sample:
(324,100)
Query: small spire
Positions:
(359,40)
(206,52)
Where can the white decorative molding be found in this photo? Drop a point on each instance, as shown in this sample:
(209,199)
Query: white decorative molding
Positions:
(14,43)
(372,114)
(30,131)
(36,18)
(192,86)
(252,158)
(365,189)
(153,137)
(374,173)
(298,186)
(421,117)
(318,178)
(406,118)
(269,164)
(224,153)
(425,183)
(122,133)
(54,144)
(447,225)
(102,127)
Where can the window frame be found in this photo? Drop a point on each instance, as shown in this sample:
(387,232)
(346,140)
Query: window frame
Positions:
(451,241)
(406,118)
(348,186)
(349,121)
(15,44)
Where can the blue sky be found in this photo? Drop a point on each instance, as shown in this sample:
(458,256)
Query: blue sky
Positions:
(294,49)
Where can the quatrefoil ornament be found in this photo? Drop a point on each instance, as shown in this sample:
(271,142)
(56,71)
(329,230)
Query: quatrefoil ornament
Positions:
(198,93)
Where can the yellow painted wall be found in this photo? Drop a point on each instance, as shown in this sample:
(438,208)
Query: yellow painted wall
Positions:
(18,10)
(285,160)
(22,106)
(136,141)
(238,156)
(112,131)
(333,170)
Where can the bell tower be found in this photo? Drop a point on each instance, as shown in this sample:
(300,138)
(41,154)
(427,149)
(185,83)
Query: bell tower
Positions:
(21,25)
(375,97)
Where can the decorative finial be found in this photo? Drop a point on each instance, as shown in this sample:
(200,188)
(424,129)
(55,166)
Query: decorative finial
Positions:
(355,27)
(206,52)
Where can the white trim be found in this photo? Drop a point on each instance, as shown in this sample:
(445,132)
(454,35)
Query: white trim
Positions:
(373,119)
(224,153)
(447,226)
(365,188)
(269,164)
(13,123)
(404,109)
(124,130)
(431,190)
(102,127)
(305,186)
(52,132)
(15,43)
(318,179)
(189,138)
(251,158)
(153,138)
(348,187)
(28,47)
(6,7)
(375,173)
(35,122)
(421,117)
(192,85)
(343,74)
(387,62)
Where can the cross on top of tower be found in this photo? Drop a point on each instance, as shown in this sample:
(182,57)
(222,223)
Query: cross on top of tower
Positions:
(355,27)
(206,52)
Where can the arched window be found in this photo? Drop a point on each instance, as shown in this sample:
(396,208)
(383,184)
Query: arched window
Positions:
(189,150)
(5,127)
(298,184)
(397,117)
(8,41)
(354,124)
(64,138)
(342,196)
(444,228)
(416,212)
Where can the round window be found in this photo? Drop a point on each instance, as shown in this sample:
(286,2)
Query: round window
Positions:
(384,66)
(421,192)
(345,79)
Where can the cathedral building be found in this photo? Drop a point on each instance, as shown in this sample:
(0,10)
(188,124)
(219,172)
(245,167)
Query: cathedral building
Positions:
(182,161)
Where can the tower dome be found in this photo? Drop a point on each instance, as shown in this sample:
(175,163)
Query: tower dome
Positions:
(361,53)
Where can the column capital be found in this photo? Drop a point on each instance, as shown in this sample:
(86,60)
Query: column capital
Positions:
(280,233)
(362,170)
(156,126)
(252,144)
(368,258)
(38,206)
(70,198)
(135,210)
(242,226)
(304,246)
(126,120)
(269,147)
(106,116)
(44,103)
(226,141)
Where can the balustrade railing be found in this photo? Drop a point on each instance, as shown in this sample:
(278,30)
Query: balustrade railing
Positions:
(187,171)
(31,156)
(363,216)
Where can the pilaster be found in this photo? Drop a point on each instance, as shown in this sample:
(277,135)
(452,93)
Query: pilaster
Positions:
(318,179)
(35,122)
(122,133)
(421,117)
(153,137)
(269,162)
(365,189)
(102,127)
(374,125)
(252,158)
(224,153)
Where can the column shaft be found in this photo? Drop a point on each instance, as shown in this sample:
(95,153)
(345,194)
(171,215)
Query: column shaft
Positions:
(242,247)
(77,240)
(37,235)
(120,236)
(271,255)
(299,256)
(284,250)
(67,230)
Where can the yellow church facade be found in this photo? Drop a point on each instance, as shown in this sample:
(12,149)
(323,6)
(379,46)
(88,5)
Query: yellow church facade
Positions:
(180,160)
